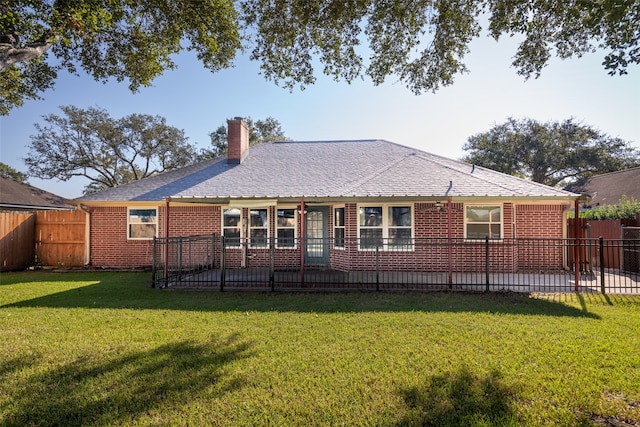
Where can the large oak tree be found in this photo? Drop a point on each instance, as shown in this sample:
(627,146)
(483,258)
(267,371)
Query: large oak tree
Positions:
(551,153)
(107,151)
(420,42)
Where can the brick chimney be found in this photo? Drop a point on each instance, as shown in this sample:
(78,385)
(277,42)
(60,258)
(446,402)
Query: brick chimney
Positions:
(237,140)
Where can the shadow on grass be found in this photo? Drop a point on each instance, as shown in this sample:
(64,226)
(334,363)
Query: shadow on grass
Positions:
(118,390)
(460,399)
(130,291)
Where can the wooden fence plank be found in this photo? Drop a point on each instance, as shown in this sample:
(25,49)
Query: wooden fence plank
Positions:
(16,240)
(60,238)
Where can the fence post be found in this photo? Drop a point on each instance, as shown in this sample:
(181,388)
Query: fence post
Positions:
(213,251)
(377,267)
(153,262)
(222,260)
(179,251)
(486,261)
(272,263)
(602,286)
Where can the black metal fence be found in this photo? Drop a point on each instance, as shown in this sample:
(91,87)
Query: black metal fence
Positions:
(521,265)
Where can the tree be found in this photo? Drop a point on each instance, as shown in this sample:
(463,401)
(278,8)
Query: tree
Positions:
(7,171)
(107,151)
(625,209)
(260,131)
(422,43)
(552,153)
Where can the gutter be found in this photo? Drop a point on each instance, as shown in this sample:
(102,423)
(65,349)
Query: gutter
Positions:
(87,234)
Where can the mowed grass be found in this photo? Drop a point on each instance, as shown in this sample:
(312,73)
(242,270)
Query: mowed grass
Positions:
(105,349)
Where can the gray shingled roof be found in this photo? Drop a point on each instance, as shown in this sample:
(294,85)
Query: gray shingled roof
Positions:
(20,195)
(335,169)
(608,189)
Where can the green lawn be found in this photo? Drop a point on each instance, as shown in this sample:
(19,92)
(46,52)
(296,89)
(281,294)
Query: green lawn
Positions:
(105,349)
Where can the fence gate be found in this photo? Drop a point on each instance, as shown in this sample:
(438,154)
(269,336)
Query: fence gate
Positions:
(631,249)
(60,237)
(16,240)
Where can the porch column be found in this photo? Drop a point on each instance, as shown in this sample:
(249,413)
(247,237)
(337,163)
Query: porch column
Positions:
(302,239)
(166,235)
(576,248)
(449,255)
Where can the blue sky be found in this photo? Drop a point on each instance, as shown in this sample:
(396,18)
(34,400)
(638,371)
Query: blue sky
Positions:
(197,101)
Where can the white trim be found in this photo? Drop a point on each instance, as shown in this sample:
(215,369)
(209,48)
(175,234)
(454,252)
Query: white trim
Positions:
(385,224)
(483,205)
(252,203)
(249,227)
(129,223)
(295,226)
(343,227)
(222,226)
(245,225)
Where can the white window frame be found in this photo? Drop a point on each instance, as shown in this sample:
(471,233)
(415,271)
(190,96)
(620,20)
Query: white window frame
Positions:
(227,227)
(386,226)
(246,227)
(294,228)
(130,223)
(340,227)
(488,223)
(250,228)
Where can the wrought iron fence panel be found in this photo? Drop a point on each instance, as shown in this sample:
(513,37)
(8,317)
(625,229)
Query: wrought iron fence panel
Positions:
(520,265)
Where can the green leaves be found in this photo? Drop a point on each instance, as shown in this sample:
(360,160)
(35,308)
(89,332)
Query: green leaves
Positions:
(624,209)
(422,43)
(107,151)
(552,153)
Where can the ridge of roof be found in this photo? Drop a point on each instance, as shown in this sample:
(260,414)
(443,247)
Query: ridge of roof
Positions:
(374,174)
(605,175)
(462,165)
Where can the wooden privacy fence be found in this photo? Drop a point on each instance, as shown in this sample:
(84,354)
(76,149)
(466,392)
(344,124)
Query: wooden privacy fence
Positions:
(48,238)
(59,238)
(610,229)
(16,240)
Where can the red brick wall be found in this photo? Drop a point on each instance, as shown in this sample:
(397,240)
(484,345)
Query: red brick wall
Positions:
(535,222)
(539,221)
(111,248)
(109,244)
(191,220)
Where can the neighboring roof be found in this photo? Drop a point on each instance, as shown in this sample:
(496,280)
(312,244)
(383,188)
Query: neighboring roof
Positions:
(608,188)
(18,195)
(329,169)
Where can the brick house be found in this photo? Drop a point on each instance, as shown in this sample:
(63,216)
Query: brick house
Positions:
(327,203)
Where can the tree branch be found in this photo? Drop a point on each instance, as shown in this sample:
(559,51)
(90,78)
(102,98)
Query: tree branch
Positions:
(9,54)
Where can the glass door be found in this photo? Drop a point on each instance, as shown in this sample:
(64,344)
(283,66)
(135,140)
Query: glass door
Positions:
(316,249)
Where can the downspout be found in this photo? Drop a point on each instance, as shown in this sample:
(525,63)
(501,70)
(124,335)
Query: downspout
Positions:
(87,234)
(302,237)
(449,255)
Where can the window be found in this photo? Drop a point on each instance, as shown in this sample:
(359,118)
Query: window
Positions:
(399,227)
(385,227)
(231,227)
(142,223)
(483,221)
(338,227)
(370,227)
(258,228)
(286,228)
